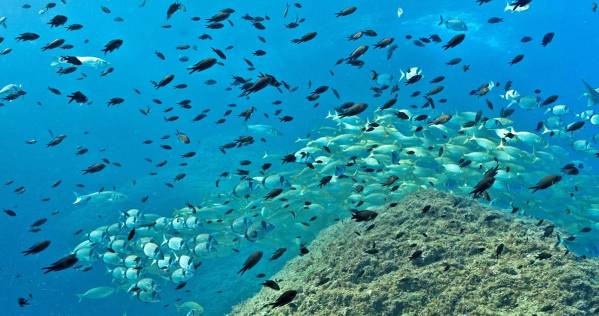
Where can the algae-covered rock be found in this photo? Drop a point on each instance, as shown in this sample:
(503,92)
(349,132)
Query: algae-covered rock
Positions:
(455,258)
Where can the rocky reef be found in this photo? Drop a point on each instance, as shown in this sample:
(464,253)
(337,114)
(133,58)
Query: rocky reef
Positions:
(435,254)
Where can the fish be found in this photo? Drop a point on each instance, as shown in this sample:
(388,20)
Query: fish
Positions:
(454,41)
(284,299)
(271,284)
(364,216)
(251,261)
(277,253)
(100,292)
(546,182)
(453,24)
(98,197)
(591,94)
(36,248)
(61,264)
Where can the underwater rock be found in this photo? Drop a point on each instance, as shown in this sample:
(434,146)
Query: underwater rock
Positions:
(456,258)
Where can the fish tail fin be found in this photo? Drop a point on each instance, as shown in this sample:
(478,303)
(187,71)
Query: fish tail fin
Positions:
(80,297)
(440,20)
(77,198)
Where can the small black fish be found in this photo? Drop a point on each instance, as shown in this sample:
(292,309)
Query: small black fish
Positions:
(61,264)
(499,250)
(36,248)
(278,253)
(271,284)
(285,298)
(416,255)
(131,234)
(364,216)
(250,262)
(543,256)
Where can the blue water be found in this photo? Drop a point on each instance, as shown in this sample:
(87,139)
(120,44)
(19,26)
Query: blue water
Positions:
(116,133)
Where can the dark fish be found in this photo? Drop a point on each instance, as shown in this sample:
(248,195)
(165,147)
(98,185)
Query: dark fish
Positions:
(10,212)
(384,42)
(61,264)
(454,41)
(278,253)
(97,167)
(250,262)
(131,234)
(160,55)
(74,27)
(416,255)
(347,11)
(173,8)
(22,301)
(364,216)
(574,126)
(545,183)
(164,81)
(517,59)
(352,110)
(526,39)
(547,39)
(202,65)
(54,91)
(284,299)
(543,256)
(570,169)
(36,248)
(27,36)
(219,53)
(39,222)
(389,103)
(454,61)
(56,140)
(112,46)
(305,38)
(271,284)
(499,250)
(273,193)
(54,44)
(57,21)
(549,100)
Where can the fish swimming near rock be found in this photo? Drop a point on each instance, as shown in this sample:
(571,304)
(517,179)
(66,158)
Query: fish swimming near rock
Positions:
(251,261)
(284,299)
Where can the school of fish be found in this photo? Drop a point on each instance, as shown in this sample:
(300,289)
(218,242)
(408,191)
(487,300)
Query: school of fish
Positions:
(371,153)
